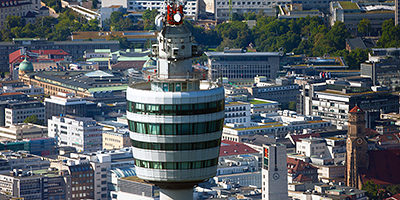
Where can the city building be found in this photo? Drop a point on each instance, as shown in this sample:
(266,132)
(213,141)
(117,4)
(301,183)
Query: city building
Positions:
(351,13)
(17,112)
(333,102)
(237,112)
(381,67)
(260,106)
(97,84)
(78,132)
(67,104)
(274,125)
(132,187)
(42,60)
(115,140)
(191,8)
(78,177)
(11,161)
(21,8)
(175,119)
(107,60)
(26,89)
(23,131)
(33,185)
(274,172)
(301,172)
(241,66)
(357,148)
(104,164)
(283,92)
(295,11)
(325,191)
(223,9)
(75,48)
(243,170)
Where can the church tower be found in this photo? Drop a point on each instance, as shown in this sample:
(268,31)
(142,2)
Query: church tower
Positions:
(356,148)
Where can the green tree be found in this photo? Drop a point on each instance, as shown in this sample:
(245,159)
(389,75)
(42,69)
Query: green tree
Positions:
(33,119)
(148,19)
(292,105)
(14,21)
(390,35)
(364,27)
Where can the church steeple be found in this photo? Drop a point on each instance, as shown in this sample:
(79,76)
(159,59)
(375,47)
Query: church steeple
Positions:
(356,148)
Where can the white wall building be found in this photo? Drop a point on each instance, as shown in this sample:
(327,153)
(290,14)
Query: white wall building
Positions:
(240,7)
(311,147)
(191,8)
(237,112)
(79,132)
(274,173)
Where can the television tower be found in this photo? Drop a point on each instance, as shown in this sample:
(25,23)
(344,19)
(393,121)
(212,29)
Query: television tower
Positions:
(175,118)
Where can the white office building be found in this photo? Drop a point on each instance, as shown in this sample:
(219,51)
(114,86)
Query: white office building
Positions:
(237,112)
(274,173)
(79,132)
(191,8)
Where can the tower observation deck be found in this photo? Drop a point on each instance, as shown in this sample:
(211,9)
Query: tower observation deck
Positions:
(175,119)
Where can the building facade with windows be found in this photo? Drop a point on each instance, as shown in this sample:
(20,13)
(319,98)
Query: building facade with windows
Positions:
(17,112)
(81,133)
(238,65)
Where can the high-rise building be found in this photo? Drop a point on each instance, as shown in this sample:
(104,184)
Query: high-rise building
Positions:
(176,120)
(274,172)
(356,147)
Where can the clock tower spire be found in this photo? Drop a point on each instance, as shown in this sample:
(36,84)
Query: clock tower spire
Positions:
(356,148)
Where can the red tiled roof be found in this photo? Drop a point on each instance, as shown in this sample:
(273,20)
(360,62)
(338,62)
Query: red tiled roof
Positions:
(296,165)
(302,178)
(230,148)
(51,52)
(17,56)
(394,197)
(383,167)
(356,109)
(10,93)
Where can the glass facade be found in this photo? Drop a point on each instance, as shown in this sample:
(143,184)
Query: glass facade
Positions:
(176,129)
(176,165)
(176,109)
(176,146)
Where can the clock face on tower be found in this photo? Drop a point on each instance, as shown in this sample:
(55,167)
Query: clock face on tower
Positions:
(275,176)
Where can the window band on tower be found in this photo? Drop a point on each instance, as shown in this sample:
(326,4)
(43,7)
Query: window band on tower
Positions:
(176,129)
(176,109)
(176,146)
(176,165)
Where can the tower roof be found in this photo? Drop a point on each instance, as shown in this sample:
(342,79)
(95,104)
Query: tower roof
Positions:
(356,109)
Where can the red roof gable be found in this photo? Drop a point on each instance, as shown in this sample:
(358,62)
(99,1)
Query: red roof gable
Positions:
(383,167)
(356,109)
(51,52)
(230,148)
(18,57)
